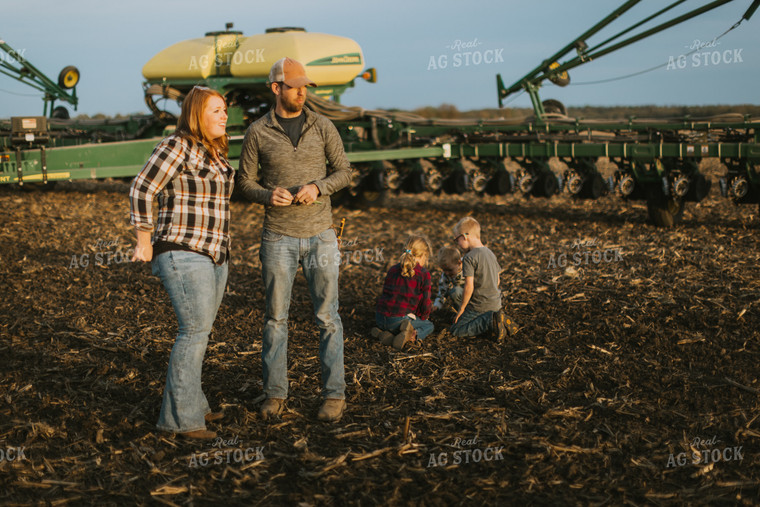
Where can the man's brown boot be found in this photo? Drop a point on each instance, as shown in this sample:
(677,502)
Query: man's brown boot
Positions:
(332,410)
(198,435)
(272,407)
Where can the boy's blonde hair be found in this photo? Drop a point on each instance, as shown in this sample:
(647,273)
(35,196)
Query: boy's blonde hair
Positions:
(468,226)
(416,246)
(449,258)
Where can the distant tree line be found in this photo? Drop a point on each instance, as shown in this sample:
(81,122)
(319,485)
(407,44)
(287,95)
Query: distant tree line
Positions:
(450,111)
(101,116)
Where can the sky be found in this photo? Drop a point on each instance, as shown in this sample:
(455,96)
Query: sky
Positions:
(407,41)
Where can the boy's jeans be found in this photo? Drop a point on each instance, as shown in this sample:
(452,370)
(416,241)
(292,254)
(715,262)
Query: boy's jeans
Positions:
(195,286)
(320,259)
(455,295)
(472,323)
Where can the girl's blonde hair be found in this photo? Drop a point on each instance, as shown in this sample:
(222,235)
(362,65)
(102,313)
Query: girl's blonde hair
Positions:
(416,246)
(190,124)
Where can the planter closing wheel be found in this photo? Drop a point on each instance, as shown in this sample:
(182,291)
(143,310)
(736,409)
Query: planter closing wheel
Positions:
(456,182)
(546,185)
(664,210)
(370,199)
(594,187)
(499,184)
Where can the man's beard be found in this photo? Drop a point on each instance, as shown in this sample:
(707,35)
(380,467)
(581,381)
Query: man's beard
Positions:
(291,107)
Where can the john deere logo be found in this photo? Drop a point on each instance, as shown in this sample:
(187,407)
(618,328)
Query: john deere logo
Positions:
(346,59)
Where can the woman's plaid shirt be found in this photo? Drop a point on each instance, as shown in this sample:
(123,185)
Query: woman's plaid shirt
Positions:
(193,197)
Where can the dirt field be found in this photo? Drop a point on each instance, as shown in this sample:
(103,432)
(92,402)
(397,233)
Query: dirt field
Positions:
(625,372)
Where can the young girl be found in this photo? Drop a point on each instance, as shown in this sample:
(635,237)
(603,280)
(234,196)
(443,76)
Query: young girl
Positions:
(404,306)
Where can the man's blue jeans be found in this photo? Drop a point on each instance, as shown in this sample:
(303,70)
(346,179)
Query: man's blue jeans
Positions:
(472,323)
(195,286)
(392,324)
(320,259)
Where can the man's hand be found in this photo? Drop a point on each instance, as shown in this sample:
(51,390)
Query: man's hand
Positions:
(281,197)
(307,194)
(459,314)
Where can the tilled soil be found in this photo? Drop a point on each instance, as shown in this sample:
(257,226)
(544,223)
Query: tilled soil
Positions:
(632,380)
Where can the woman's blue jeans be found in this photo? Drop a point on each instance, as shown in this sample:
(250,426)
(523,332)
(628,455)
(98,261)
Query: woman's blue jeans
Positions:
(195,286)
(320,259)
(392,324)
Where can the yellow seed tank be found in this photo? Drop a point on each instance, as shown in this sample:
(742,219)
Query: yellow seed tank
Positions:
(329,59)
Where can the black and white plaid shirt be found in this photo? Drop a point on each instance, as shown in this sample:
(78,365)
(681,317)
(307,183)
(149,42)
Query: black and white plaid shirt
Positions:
(193,197)
(445,284)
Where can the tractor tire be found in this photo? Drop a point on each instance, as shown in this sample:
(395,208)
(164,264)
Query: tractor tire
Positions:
(60,113)
(552,106)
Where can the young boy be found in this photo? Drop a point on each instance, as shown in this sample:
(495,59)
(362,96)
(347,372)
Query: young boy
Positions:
(451,283)
(481,301)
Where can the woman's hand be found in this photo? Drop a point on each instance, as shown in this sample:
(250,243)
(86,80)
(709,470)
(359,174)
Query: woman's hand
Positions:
(144,248)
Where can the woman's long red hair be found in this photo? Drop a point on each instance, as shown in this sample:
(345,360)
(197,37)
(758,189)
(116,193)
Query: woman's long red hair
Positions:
(190,124)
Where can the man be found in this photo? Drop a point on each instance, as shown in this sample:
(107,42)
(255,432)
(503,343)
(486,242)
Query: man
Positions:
(292,143)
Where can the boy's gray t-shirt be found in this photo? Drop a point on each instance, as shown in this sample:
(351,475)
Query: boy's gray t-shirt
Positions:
(481,264)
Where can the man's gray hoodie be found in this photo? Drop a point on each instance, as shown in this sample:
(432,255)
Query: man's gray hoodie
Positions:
(286,166)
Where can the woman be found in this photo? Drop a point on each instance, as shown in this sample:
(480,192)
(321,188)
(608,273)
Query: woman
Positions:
(192,178)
